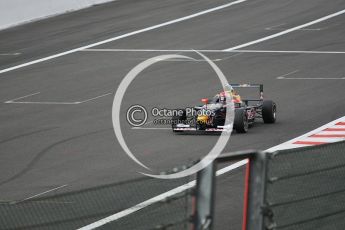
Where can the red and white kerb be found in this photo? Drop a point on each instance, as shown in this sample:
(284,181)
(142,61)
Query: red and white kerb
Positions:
(329,133)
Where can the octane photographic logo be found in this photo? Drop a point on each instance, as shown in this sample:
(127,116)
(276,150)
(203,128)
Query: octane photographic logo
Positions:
(134,109)
(138,109)
(162,116)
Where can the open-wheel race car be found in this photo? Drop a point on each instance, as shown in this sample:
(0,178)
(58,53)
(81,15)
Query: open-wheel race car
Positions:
(213,115)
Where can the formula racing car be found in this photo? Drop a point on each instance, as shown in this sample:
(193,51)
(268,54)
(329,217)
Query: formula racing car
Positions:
(210,117)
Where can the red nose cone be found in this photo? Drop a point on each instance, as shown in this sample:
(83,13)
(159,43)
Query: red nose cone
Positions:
(204,100)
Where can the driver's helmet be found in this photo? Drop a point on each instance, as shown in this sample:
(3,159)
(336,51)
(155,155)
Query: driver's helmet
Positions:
(222,96)
(228,91)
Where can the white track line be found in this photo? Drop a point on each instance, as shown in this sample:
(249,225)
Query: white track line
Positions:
(217,51)
(123,36)
(14,101)
(39,194)
(287,31)
(94,98)
(180,60)
(18,98)
(282,24)
(41,102)
(151,128)
(272,27)
(316,29)
(9,54)
(231,167)
(287,74)
(284,77)
(146,50)
(311,78)
(293,51)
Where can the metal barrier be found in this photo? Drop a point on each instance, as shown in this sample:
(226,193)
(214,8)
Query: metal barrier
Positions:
(300,189)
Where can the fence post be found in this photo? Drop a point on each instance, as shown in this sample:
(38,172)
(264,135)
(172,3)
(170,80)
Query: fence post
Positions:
(205,189)
(257,190)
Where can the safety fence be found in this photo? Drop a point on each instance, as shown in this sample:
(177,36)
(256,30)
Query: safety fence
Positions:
(79,208)
(300,189)
(305,188)
(291,189)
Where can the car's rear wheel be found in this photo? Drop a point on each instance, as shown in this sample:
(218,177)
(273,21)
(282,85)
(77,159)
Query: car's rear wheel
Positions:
(241,121)
(269,110)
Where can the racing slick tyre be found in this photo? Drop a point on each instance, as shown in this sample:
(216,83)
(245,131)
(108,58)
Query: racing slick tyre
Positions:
(178,120)
(269,110)
(241,121)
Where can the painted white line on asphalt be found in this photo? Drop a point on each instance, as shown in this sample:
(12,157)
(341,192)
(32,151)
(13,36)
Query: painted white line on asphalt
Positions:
(123,36)
(287,31)
(9,54)
(18,98)
(311,78)
(179,60)
(146,50)
(231,167)
(37,201)
(275,26)
(217,51)
(284,77)
(39,194)
(282,24)
(287,74)
(15,101)
(231,56)
(151,128)
(42,102)
(94,98)
(316,29)
(293,51)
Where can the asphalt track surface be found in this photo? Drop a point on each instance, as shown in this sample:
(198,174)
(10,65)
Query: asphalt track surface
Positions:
(67,147)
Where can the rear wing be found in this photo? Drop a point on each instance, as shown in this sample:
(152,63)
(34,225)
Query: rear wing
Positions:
(259,86)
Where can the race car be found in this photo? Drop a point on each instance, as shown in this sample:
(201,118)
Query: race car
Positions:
(210,117)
